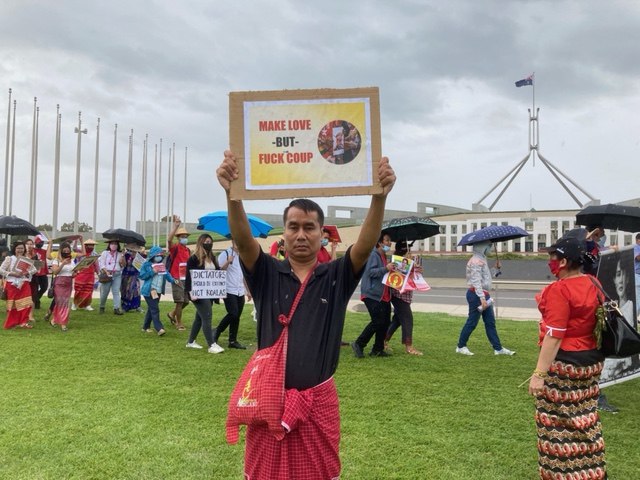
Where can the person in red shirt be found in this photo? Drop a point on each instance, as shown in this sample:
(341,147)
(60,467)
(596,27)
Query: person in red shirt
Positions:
(565,380)
(179,253)
(323,255)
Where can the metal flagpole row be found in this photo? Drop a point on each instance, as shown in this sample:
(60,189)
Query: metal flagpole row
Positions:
(58,182)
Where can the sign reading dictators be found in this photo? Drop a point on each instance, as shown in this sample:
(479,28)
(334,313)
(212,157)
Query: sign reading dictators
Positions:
(293,143)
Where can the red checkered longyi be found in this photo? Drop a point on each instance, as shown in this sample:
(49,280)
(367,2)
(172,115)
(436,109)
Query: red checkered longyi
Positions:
(310,449)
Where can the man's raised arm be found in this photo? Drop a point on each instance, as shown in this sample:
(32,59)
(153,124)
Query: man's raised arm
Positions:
(370,230)
(248,247)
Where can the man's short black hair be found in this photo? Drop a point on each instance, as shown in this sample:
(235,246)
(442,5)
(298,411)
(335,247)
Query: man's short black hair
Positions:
(637,236)
(306,206)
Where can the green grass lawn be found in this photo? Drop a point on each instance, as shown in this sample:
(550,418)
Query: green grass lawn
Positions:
(105,400)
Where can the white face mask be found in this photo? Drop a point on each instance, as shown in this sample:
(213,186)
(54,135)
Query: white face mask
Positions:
(184,241)
(157,258)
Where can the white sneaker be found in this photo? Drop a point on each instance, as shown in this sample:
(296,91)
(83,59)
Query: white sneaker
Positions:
(464,351)
(215,348)
(194,345)
(73,307)
(504,351)
(89,308)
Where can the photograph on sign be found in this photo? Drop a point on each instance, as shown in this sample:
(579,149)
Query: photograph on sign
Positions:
(617,277)
(305,142)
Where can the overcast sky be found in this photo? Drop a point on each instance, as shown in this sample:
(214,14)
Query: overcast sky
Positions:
(453,123)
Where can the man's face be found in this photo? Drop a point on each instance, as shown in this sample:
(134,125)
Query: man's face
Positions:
(302,234)
(638,241)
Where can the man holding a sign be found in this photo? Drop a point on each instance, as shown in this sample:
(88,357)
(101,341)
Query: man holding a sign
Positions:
(310,447)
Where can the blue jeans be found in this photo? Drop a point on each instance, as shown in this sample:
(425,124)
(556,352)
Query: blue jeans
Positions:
(114,287)
(153,314)
(488,318)
(202,321)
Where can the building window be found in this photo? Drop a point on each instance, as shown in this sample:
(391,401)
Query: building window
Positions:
(464,228)
(454,229)
(454,243)
(443,229)
(565,226)
(528,246)
(516,246)
(494,224)
(483,224)
(443,244)
(627,240)
(542,240)
(528,225)
(504,224)
(474,227)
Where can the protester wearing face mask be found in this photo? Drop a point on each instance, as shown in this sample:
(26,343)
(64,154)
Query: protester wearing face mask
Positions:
(85,278)
(480,302)
(377,297)
(110,263)
(153,274)
(202,259)
(323,255)
(565,380)
(62,269)
(179,253)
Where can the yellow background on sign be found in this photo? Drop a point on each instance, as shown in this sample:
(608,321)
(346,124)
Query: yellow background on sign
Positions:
(318,172)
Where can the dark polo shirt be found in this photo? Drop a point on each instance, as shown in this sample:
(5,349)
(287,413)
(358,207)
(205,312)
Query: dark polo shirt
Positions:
(315,331)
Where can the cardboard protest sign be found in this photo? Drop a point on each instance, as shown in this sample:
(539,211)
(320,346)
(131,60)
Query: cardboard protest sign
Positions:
(209,283)
(309,143)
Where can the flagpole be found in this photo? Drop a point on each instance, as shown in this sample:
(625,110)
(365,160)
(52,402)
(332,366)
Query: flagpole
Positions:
(159,218)
(155,196)
(56,173)
(95,181)
(143,207)
(129,171)
(35,173)
(173,182)
(6,156)
(13,154)
(168,194)
(33,162)
(184,218)
(80,131)
(113,175)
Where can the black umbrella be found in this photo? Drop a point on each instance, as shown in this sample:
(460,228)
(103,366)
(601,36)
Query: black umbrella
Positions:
(410,228)
(12,225)
(611,216)
(125,236)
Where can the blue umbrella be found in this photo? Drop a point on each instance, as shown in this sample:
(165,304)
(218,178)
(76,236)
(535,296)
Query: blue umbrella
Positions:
(218,222)
(493,233)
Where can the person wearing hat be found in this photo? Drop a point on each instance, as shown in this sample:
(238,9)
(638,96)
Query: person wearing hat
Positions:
(130,287)
(179,253)
(153,274)
(565,379)
(85,278)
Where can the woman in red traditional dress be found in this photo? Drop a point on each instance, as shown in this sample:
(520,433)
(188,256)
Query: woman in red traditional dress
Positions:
(62,268)
(565,380)
(17,271)
(86,278)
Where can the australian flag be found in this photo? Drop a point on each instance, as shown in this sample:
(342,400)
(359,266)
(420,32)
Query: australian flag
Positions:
(525,81)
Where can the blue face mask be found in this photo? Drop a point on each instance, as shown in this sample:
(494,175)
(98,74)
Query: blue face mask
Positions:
(324,242)
(184,241)
(157,258)
(386,248)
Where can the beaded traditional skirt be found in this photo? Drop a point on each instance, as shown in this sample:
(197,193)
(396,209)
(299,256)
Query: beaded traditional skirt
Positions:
(570,443)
